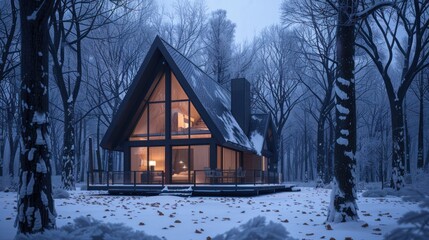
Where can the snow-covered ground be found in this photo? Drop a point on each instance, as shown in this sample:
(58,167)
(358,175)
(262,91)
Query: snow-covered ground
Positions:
(173,217)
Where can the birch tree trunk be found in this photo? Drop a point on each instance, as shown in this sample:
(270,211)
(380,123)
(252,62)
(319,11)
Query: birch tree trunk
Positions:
(343,207)
(36,210)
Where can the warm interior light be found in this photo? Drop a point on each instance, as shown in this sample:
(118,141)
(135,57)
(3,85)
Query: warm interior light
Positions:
(152,163)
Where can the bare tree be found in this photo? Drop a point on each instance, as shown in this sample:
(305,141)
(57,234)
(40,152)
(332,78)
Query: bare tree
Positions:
(420,91)
(9,43)
(184,27)
(72,23)
(218,41)
(343,207)
(316,33)
(276,81)
(392,38)
(36,211)
(115,62)
(9,90)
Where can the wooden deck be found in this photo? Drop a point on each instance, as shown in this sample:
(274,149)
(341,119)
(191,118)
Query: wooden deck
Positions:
(199,190)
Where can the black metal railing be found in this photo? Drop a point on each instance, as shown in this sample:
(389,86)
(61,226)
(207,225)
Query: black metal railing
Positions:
(111,178)
(196,177)
(234,177)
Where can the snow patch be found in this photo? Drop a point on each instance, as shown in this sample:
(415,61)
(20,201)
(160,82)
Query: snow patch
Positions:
(39,137)
(31,154)
(341,109)
(342,141)
(341,94)
(343,81)
(41,167)
(349,154)
(258,141)
(39,118)
(344,132)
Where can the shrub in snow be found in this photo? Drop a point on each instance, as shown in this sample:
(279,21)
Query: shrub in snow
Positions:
(416,223)
(257,230)
(421,182)
(86,228)
(60,193)
(375,193)
(83,187)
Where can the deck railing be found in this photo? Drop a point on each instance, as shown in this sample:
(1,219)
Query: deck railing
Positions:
(197,177)
(111,178)
(234,177)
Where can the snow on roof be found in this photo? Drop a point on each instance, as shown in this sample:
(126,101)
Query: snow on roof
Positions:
(257,132)
(215,99)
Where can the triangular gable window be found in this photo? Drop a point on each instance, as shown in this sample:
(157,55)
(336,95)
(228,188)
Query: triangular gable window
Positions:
(185,120)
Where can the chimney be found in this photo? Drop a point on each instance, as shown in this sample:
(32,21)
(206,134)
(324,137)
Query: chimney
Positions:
(240,102)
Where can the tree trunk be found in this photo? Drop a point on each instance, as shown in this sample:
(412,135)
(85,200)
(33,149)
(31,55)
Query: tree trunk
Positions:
(36,210)
(67,176)
(305,150)
(407,140)
(329,152)
(343,207)
(398,171)
(420,161)
(321,154)
(90,162)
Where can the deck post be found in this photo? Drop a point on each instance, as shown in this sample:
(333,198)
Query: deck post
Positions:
(162,178)
(107,179)
(195,178)
(236,178)
(87,180)
(134,176)
(113,178)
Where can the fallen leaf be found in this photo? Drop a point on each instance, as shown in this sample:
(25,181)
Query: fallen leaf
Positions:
(328,227)
(365,225)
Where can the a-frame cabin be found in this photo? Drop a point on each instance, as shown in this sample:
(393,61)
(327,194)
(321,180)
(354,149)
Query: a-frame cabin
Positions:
(176,125)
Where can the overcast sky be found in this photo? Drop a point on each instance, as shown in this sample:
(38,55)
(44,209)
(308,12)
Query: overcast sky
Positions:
(250,16)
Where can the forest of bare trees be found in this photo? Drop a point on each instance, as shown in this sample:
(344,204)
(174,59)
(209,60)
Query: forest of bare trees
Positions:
(296,69)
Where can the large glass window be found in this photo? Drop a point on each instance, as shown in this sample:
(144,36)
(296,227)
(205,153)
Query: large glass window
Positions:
(184,118)
(186,159)
(139,158)
(177,92)
(148,159)
(198,127)
(200,160)
(151,124)
(158,90)
(180,120)
(228,159)
(156,121)
(180,164)
(140,132)
(147,164)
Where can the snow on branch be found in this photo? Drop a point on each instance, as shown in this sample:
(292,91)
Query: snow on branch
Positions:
(366,12)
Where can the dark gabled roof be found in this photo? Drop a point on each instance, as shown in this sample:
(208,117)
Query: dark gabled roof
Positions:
(209,98)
